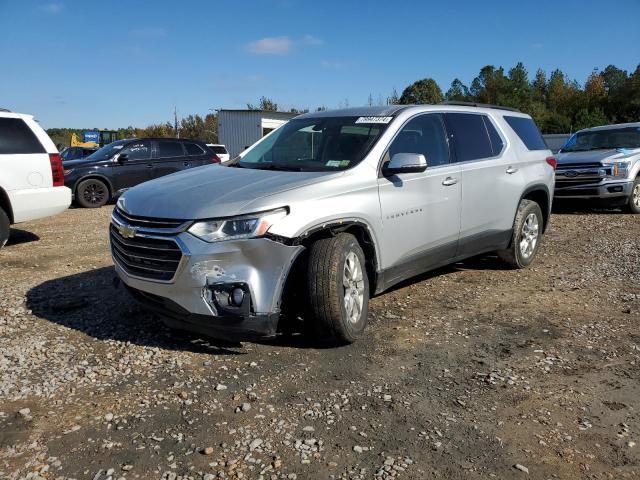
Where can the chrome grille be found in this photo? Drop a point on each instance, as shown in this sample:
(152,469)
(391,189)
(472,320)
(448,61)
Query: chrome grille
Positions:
(145,257)
(146,222)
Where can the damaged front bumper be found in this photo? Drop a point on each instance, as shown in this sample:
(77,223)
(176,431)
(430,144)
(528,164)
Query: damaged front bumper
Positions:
(229,289)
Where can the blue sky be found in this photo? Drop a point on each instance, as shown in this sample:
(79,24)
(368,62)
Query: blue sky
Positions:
(113,63)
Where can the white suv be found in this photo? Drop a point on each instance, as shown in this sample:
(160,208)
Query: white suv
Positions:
(220,150)
(31,173)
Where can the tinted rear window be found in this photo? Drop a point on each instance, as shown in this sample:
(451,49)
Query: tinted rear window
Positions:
(470,136)
(194,149)
(17,137)
(220,150)
(528,132)
(169,148)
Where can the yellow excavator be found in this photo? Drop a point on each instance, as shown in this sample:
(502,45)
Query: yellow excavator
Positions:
(94,138)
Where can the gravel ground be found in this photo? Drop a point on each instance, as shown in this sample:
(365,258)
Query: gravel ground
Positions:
(472,371)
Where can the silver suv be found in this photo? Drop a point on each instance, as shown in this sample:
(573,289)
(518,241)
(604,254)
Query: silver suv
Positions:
(329,209)
(602,163)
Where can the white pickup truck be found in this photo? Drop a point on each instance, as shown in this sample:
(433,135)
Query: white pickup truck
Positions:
(31,173)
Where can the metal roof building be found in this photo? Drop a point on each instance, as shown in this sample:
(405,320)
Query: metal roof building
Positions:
(239,129)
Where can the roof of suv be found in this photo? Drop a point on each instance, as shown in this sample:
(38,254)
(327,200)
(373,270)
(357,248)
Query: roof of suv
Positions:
(608,127)
(392,110)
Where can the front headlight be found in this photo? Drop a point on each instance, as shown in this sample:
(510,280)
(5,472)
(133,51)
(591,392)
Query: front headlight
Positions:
(620,169)
(246,226)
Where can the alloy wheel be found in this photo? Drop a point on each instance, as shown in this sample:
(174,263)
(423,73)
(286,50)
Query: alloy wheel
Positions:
(353,283)
(529,235)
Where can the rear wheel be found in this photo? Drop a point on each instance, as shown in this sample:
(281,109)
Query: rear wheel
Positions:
(4,228)
(633,205)
(526,236)
(338,289)
(92,193)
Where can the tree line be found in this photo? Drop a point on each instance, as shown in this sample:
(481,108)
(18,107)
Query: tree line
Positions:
(557,103)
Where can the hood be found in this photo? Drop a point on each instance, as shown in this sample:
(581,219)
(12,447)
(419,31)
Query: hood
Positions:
(211,191)
(609,155)
(84,162)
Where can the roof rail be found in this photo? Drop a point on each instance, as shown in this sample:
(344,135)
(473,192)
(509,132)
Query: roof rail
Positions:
(481,105)
(4,109)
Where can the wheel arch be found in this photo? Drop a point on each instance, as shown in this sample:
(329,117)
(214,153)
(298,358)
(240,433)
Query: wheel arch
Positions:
(359,229)
(5,204)
(539,193)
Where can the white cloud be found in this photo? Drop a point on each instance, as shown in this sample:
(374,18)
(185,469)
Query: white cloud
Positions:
(281,45)
(311,40)
(148,32)
(52,7)
(270,46)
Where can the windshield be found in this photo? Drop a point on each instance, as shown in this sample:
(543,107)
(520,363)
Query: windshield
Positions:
(107,151)
(316,144)
(625,137)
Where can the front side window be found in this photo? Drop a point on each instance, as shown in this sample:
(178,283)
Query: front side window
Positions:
(138,151)
(426,135)
(470,137)
(625,137)
(316,144)
(17,138)
(169,148)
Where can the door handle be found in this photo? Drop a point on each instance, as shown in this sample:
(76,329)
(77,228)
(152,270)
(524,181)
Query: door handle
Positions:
(447,182)
(511,170)
(149,165)
(186,164)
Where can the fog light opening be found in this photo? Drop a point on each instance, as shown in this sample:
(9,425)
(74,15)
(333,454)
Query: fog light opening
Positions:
(237,297)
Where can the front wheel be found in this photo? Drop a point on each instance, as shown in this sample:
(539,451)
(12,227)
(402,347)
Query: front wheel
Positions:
(526,236)
(633,205)
(4,228)
(92,193)
(338,289)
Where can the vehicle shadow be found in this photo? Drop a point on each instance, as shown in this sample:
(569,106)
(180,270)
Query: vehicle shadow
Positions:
(91,303)
(17,237)
(574,207)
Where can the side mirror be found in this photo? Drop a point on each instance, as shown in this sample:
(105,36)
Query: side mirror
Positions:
(405,163)
(123,157)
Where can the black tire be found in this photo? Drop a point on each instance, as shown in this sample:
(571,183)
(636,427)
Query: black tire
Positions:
(92,193)
(515,255)
(5,228)
(330,320)
(633,204)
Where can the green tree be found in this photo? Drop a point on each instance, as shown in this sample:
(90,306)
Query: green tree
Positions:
(193,127)
(265,104)
(425,91)
(458,92)
(393,99)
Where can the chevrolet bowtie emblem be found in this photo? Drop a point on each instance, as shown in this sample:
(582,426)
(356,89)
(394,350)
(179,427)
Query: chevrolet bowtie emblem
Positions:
(126,231)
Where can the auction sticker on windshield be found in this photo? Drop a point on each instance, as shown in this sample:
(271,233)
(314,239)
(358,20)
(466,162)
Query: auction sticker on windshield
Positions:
(374,119)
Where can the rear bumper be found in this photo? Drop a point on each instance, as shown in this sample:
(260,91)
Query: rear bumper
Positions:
(608,190)
(33,203)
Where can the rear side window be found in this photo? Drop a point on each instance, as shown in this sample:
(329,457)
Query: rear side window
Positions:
(194,149)
(470,136)
(16,137)
(497,144)
(219,150)
(169,148)
(528,132)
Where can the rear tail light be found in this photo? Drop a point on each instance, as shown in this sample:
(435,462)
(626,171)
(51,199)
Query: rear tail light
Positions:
(57,170)
(552,161)
(215,159)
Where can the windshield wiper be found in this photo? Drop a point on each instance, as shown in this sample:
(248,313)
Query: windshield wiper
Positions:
(281,168)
